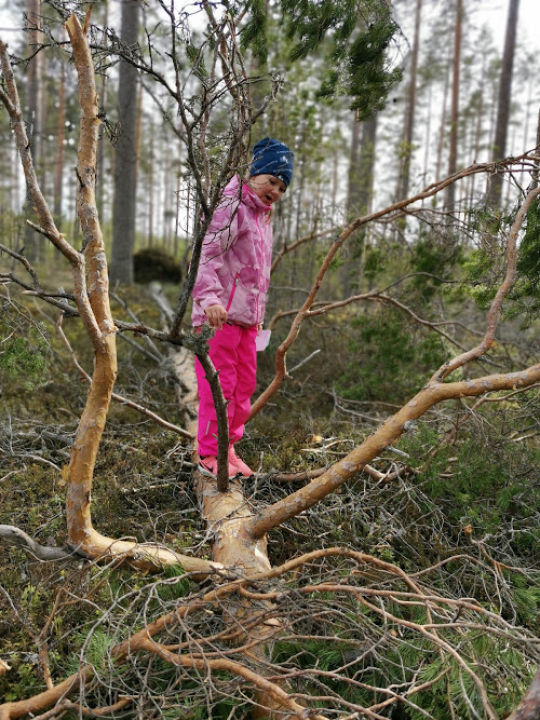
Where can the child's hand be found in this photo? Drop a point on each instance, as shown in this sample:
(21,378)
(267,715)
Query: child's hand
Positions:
(216,316)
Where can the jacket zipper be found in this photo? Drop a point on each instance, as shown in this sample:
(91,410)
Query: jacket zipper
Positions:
(261,244)
(231,297)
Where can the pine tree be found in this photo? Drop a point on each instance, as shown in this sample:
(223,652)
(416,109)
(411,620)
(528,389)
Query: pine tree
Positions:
(505,96)
(33,93)
(454,117)
(125,182)
(408,132)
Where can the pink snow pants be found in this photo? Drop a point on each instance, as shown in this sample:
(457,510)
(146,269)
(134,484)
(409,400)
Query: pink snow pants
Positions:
(233,352)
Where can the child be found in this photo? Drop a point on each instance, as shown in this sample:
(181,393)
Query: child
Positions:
(230,294)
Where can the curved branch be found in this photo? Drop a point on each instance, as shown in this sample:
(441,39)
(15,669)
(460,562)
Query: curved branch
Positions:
(118,398)
(47,224)
(20,708)
(212,376)
(10,99)
(236,668)
(433,394)
(40,552)
(413,593)
(304,311)
(281,352)
(372,296)
(94,310)
(496,305)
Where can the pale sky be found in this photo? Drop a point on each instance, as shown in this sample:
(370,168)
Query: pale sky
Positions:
(492,12)
(495,12)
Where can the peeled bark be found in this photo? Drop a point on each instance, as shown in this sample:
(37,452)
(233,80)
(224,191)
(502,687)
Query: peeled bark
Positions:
(99,324)
(101,330)
(91,296)
(240,537)
(238,534)
(233,546)
(100,179)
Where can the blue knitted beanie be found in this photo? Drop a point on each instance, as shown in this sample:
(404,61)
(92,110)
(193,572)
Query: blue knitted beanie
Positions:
(271,157)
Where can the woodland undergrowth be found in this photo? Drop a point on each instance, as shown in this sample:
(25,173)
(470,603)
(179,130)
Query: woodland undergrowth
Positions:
(430,599)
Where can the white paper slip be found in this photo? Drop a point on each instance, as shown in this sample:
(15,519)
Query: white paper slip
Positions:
(262,340)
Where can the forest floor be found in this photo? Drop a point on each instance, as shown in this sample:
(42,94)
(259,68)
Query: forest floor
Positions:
(460,511)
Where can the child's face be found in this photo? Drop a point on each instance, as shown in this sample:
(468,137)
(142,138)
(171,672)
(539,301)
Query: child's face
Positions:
(267,187)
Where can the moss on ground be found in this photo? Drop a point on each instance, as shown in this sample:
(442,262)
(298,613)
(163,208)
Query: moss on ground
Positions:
(473,494)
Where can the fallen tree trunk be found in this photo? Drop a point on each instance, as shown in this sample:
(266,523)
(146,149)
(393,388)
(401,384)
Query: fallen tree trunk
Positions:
(529,707)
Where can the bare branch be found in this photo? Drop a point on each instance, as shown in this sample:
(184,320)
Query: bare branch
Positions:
(40,552)
(433,393)
(372,296)
(212,376)
(304,311)
(14,109)
(496,305)
(118,398)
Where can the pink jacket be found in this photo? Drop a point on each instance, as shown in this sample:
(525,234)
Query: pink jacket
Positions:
(234,270)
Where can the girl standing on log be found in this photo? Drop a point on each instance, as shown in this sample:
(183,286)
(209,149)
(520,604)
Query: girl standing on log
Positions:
(230,294)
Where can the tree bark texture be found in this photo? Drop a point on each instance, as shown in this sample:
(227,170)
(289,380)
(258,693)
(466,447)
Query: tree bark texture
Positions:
(99,323)
(125,173)
(361,179)
(100,179)
(454,120)
(91,297)
(505,99)
(229,516)
(238,532)
(353,167)
(408,135)
(239,535)
(59,156)
(366,166)
(101,330)
(33,92)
